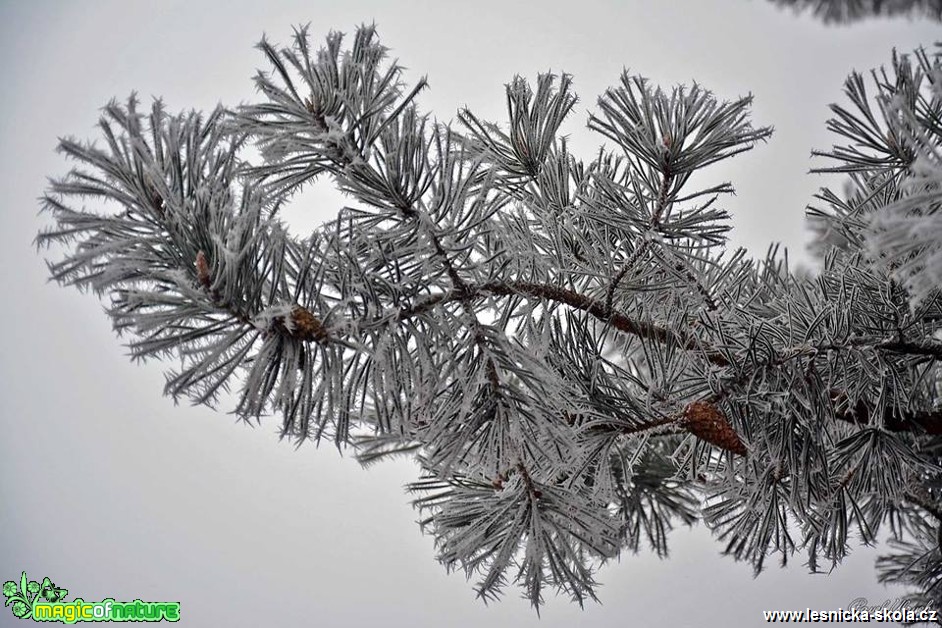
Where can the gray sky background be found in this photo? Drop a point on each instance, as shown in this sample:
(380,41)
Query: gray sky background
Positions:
(111,491)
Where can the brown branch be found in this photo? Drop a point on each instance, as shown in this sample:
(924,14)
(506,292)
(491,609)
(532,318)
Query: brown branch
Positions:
(650,425)
(421,307)
(920,421)
(532,489)
(619,320)
(929,348)
(650,331)
(893,419)
(643,247)
(463,290)
(303,325)
(598,309)
(622,428)
(920,497)
(682,267)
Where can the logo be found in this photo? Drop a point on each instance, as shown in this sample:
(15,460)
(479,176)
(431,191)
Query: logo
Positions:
(44,601)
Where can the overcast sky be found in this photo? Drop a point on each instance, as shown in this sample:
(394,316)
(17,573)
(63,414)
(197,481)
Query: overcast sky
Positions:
(112,491)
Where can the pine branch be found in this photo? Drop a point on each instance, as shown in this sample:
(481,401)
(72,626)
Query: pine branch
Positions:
(660,206)
(927,422)
(374,326)
(599,310)
(920,497)
(925,347)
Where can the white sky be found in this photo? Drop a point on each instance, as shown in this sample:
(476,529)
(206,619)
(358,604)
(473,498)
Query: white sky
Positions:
(111,491)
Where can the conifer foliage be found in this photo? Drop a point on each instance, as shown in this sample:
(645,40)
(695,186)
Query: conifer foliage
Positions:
(567,347)
(844,11)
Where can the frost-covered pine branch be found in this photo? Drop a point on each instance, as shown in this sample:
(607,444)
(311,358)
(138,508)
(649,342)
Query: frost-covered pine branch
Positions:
(567,347)
(843,11)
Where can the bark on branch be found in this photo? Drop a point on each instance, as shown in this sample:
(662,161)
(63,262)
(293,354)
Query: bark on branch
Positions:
(893,419)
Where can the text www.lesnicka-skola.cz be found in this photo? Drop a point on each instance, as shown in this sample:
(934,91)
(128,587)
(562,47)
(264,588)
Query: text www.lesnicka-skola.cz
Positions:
(851,615)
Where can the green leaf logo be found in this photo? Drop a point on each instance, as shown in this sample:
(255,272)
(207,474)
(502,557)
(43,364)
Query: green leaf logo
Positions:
(23,595)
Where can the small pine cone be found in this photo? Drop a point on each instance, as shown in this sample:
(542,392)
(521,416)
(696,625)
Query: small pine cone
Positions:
(202,270)
(705,421)
(307,326)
